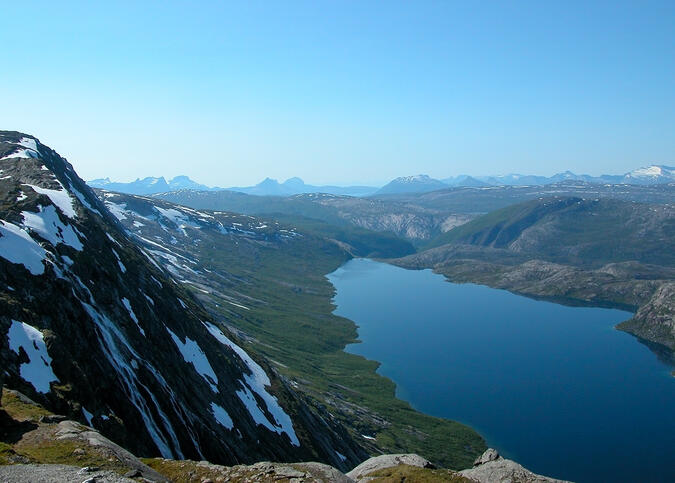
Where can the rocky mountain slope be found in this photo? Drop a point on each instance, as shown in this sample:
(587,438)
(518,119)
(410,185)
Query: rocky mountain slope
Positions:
(45,447)
(95,329)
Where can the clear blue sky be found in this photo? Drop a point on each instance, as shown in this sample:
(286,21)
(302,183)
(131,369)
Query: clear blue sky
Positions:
(342,91)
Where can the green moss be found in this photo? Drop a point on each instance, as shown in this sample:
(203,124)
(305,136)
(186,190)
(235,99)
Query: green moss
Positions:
(181,471)
(64,452)
(403,473)
(6,451)
(20,410)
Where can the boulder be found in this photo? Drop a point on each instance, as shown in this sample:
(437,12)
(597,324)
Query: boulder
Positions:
(490,467)
(387,461)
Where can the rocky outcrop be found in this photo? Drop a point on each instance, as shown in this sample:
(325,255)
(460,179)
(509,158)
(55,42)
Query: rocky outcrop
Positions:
(81,435)
(387,461)
(59,474)
(490,467)
(655,320)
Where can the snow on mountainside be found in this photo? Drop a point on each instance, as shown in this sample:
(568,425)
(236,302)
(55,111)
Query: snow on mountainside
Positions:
(94,328)
(651,174)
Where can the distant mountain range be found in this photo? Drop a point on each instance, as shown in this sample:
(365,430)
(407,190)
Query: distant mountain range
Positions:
(267,187)
(296,186)
(653,174)
(149,185)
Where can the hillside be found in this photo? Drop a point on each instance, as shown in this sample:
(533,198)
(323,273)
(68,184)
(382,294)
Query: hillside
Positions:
(95,329)
(575,231)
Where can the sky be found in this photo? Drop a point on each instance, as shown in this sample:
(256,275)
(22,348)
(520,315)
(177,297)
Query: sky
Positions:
(344,91)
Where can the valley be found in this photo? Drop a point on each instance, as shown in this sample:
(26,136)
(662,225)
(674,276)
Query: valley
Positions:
(169,275)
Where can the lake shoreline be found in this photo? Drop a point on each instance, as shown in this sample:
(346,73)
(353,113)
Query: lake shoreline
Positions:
(387,370)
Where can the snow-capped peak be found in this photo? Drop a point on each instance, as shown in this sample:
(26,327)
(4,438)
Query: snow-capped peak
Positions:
(652,171)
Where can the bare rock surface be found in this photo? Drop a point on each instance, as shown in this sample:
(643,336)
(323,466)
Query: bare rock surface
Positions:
(490,467)
(71,430)
(36,473)
(387,461)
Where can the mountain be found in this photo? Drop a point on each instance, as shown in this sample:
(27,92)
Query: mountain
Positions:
(653,174)
(295,186)
(464,180)
(420,183)
(149,185)
(576,231)
(480,200)
(267,187)
(94,328)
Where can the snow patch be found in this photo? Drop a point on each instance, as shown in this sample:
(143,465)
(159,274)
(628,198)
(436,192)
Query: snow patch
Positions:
(87,415)
(127,304)
(48,225)
(117,351)
(38,369)
(118,210)
(194,355)
(84,201)
(61,198)
(257,381)
(18,247)
(119,261)
(221,416)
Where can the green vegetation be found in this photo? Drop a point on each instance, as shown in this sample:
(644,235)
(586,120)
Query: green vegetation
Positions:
(6,453)
(25,439)
(403,473)
(20,409)
(184,471)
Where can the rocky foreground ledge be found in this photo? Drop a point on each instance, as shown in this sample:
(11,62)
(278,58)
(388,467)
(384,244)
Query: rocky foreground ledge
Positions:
(41,447)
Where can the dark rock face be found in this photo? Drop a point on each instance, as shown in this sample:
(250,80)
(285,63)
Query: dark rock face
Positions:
(91,327)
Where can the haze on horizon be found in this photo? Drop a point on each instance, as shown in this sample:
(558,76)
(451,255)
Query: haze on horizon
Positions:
(342,92)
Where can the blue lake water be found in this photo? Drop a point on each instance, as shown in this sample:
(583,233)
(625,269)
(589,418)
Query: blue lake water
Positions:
(556,388)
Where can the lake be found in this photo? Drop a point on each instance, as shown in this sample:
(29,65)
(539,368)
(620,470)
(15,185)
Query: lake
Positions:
(556,388)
